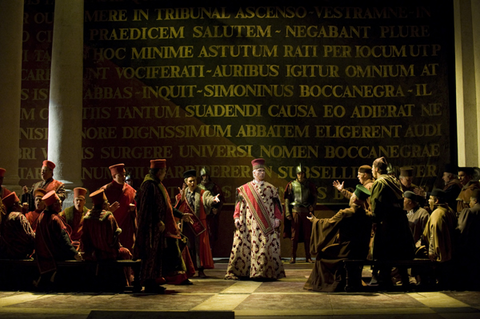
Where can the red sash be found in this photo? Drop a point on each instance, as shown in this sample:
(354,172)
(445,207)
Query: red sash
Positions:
(259,211)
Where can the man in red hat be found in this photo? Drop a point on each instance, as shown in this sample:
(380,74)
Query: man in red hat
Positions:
(100,232)
(120,192)
(16,236)
(52,242)
(32,216)
(73,215)
(158,234)
(47,183)
(3,191)
(198,202)
(256,243)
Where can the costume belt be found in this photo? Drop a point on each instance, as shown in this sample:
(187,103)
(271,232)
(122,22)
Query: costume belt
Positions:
(300,209)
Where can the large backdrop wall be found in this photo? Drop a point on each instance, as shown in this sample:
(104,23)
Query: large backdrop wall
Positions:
(331,85)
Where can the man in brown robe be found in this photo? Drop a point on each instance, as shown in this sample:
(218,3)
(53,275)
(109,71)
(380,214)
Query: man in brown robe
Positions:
(365,178)
(439,237)
(465,176)
(393,239)
(452,185)
(417,216)
(344,236)
(468,247)
(73,215)
(47,183)
(158,234)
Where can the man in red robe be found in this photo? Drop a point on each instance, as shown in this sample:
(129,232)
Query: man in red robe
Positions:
(33,215)
(99,240)
(52,242)
(198,202)
(73,216)
(47,183)
(126,214)
(3,191)
(256,243)
(16,236)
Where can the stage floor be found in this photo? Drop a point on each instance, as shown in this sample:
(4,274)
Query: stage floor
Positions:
(214,297)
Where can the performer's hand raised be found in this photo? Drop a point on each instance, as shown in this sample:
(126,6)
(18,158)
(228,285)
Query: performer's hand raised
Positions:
(338,185)
(216,199)
(182,191)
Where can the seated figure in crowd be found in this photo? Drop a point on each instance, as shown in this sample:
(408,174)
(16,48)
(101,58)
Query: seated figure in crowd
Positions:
(52,242)
(344,236)
(465,176)
(417,216)
(100,241)
(468,276)
(439,235)
(48,183)
(32,216)
(73,216)
(452,186)
(3,190)
(101,232)
(16,236)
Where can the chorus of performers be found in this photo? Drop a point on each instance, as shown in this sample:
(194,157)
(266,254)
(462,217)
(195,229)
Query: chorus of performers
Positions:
(387,218)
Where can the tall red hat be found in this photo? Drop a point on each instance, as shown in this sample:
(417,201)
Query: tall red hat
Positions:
(2,172)
(98,197)
(49,164)
(258,163)
(117,169)
(39,192)
(10,199)
(158,163)
(79,192)
(50,198)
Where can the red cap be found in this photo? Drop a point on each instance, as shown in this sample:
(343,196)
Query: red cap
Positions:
(117,169)
(258,163)
(10,199)
(39,192)
(2,172)
(158,163)
(79,192)
(50,198)
(98,197)
(49,164)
